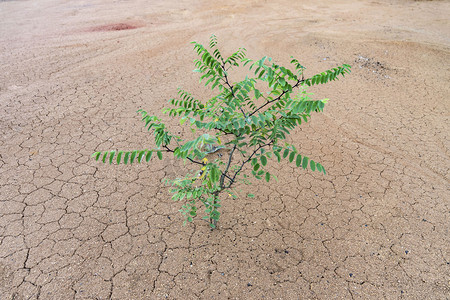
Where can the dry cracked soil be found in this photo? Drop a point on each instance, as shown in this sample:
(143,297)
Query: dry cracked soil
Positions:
(73,74)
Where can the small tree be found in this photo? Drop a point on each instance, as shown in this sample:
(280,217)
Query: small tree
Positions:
(249,121)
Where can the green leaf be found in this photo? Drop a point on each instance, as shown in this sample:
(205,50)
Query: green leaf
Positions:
(159,153)
(104,157)
(305,162)
(263,160)
(125,158)
(257,94)
(119,156)
(298,161)
(291,157)
(267,176)
(111,156)
(256,167)
(148,156)
(140,156)
(96,155)
(251,195)
(214,174)
(321,168)
(133,156)
(285,153)
(277,154)
(312,164)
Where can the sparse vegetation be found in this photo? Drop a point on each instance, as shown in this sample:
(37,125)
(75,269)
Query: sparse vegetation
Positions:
(249,120)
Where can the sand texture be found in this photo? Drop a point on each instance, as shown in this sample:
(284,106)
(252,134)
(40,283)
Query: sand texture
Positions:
(73,74)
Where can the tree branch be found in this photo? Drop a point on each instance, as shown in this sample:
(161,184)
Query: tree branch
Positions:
(277,98)
(231,87)
(190,159)
(224,173)
(246,161)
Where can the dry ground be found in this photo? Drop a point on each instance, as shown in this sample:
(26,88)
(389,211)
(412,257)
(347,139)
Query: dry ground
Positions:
(72,75)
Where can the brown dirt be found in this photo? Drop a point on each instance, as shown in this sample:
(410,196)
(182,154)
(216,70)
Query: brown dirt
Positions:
(113,27)
(375,227)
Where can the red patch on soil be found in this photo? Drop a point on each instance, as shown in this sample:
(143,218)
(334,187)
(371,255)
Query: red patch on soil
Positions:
(114,27)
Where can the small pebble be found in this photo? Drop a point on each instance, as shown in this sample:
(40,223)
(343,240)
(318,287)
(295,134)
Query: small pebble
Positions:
(249,284)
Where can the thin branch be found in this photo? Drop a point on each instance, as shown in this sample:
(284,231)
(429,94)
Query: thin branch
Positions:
(190,159)
(224,173)
(231,87)
(223,131)
(227,176)
(246,161)
(299,81)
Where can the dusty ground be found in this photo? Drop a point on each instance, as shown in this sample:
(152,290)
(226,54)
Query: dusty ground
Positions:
(72,75)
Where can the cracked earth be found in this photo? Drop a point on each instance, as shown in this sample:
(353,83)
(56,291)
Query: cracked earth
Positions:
(73,74)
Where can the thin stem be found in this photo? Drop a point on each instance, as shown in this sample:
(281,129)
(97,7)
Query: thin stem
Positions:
(190,159)
(227,176)
(223,131)
(231,87)
(246,161)
(299,81)
(224,173)
(211,220)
